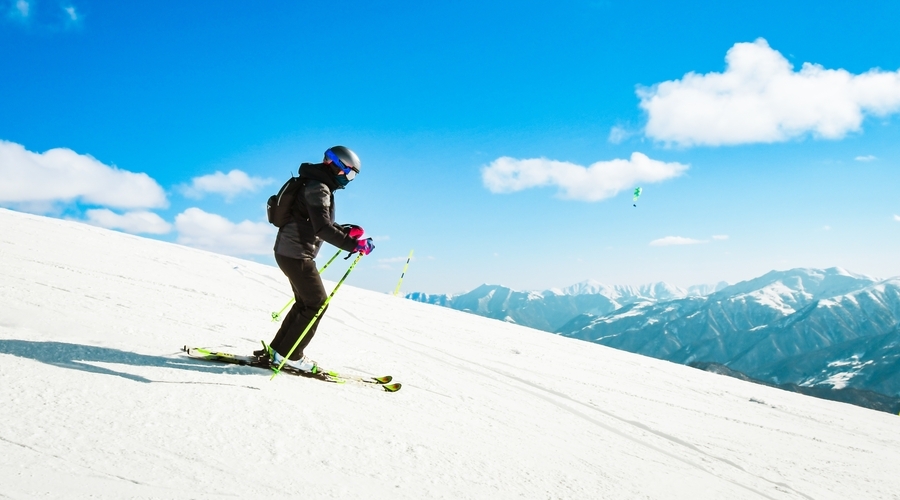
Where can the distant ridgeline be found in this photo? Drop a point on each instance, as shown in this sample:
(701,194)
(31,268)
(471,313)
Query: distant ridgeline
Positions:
(827,333)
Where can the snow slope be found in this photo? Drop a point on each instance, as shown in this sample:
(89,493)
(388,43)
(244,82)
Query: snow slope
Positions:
(97,401)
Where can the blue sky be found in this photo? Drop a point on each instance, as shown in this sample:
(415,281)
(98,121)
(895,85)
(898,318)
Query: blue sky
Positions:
(501,141)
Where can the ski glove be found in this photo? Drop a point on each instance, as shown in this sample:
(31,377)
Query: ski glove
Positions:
(365,246)
(353,231)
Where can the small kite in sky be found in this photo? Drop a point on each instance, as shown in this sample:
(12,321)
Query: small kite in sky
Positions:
(637,194)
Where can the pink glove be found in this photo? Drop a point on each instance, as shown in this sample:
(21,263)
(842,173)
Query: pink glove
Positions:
(365,246)
(354,231)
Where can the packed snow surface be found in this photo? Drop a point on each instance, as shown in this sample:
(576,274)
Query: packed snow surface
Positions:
(98,401)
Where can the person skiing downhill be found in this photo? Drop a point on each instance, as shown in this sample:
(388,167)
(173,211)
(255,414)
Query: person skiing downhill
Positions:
(297,244)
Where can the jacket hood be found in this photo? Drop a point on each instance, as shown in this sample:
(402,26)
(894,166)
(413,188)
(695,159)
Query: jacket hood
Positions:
(320,172)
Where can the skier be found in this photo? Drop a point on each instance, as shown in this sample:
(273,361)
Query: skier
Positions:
(298,243)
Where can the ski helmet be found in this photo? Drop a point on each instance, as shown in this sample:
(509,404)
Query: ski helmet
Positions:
(346,157)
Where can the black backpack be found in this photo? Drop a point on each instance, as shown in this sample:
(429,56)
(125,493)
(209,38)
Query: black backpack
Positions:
(280,206)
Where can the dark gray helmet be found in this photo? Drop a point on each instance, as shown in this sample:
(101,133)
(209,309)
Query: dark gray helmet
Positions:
(347,157)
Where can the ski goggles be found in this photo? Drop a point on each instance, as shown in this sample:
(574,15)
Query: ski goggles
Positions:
(350,172)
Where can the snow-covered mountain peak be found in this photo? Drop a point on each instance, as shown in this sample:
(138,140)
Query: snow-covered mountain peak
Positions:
(589,287)
(799,285)
(776,296)
(662,291)
(703,290)
(485,288)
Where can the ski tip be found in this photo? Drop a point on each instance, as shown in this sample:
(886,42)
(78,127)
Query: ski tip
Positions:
(383,380)
(391,387)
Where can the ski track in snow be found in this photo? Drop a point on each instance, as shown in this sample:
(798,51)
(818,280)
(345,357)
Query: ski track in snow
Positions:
(544,393)
(98,402)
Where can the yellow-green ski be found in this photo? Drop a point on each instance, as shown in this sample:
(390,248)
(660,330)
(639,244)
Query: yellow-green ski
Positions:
(383,382)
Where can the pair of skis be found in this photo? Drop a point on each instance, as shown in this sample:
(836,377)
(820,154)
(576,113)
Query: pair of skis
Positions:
(383,383)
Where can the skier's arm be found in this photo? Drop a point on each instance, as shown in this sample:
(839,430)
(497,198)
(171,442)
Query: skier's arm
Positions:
(318,204)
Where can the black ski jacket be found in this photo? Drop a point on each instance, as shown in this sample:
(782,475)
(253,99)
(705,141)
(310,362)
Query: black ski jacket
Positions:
(313,214)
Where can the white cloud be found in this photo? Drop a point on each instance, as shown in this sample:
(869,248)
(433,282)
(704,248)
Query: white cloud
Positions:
(61,176)
(618,134)
(130,222)
(228,185)
(897,218)
(865,158)
(720,237)
(207,231)
(674,240)
(23,8)
(71,12)
(601,180)
(27,10)
(760,98)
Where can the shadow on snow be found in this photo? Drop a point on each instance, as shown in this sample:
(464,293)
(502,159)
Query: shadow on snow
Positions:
(80,357)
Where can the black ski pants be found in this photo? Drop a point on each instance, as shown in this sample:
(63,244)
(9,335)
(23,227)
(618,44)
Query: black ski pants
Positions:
(309,294)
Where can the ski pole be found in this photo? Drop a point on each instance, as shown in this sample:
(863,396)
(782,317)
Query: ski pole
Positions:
(313,320)
(397,290)
(276,315)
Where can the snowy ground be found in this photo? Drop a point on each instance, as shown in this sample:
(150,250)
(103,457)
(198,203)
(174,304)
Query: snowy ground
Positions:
(97,402)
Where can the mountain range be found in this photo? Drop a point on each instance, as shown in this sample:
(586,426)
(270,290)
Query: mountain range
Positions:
(800,328)
(551,309)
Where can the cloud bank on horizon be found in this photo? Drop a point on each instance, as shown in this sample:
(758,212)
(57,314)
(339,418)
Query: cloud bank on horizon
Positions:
(137,222)
(199,229)
(600,180)
(42,182)
(60,175)
(759,98)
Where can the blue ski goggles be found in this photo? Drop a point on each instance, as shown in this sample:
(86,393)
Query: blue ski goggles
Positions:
(349,172)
